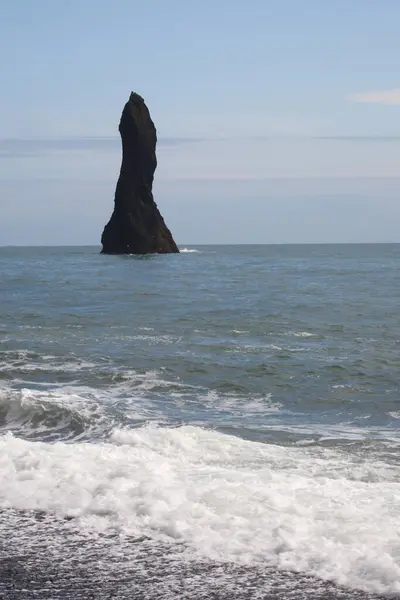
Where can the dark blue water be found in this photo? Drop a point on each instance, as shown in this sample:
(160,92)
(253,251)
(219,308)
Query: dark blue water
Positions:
(265,378)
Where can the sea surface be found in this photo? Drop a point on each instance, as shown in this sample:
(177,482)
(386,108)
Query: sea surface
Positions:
(222,423)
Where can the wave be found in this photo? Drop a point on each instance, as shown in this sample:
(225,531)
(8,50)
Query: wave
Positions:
(309,510)
(304,334)
(188,250)
(67,412)
(24,361)
(64,413)
(50,397)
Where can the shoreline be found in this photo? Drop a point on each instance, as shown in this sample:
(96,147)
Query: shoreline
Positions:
(62,563)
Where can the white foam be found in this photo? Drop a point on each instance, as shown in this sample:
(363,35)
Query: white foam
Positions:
(240,406)
(26,362)
(157,339)
(188,250)
(395,414)
(310,510)
(261,348)
(304,334)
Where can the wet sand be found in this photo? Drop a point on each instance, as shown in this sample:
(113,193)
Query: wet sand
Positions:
(45,558)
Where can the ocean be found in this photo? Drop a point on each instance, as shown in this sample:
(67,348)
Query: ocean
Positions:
(222,423)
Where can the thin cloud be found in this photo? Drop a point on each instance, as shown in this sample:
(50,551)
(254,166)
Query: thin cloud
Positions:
(359,138)
(25,148)
(388,97)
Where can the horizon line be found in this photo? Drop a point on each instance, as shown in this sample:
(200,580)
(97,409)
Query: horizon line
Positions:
(211,244)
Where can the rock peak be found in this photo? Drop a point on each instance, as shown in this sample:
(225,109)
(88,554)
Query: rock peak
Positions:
(135,98)
(136,225)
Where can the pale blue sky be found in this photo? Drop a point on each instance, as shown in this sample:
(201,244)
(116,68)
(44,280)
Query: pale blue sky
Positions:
(278,120)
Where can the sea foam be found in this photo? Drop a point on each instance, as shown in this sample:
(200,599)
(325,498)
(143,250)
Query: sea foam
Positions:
(309,510)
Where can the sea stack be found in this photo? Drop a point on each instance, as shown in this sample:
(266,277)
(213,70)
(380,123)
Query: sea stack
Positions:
(136,225)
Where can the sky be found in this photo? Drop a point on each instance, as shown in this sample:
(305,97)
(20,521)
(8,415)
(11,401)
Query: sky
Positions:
(278,120)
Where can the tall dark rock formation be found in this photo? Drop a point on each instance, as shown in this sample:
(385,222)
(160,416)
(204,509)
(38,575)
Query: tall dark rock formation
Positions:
(136,225)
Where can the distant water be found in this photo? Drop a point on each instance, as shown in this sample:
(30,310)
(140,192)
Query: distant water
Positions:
(221,421)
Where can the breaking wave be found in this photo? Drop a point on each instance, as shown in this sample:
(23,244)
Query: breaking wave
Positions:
(308,510)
